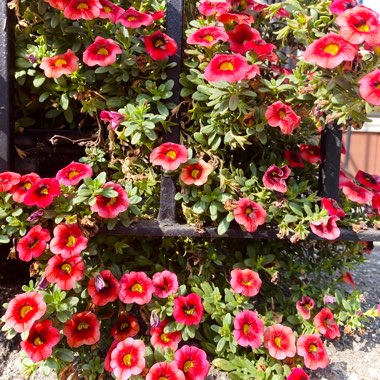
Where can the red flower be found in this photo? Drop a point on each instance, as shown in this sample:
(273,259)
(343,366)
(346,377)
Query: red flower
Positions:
(101,52)
(226,67)
(82,329)
(136,287)
(339,6)
(249,214)
(163,340)
(330,51)
(343,179)
(24,310)
(19,189)
(192,361)
(376,202)
(298,374)
(370,87)
(325,323)
(160,46)
(103,288)
(280,341)
(110,10)
(62,64)
(263,49)
(64,272)
(304,306)
(169,155)
(210,8)
(42,192)
(196,174)
(245,281)
(86,9)
(68,240)
(41,339)
(356,193)
(73,173)
(207,36)
(107,359)
(58,4)
(238,18)
(368,180)
(33,244)
(134,19)
(310,153)
(109,208)
(158,15)
(127,358)
(7,180)
(165,283)
(359,24)
(188,309)
(165,370)
(282,12)
(114,118)
(293,159)
(326,227)
(332,207)
(126,327)
(241,34)
(249,329)
(281,115)
(274,178)
(347,278)
(313,351)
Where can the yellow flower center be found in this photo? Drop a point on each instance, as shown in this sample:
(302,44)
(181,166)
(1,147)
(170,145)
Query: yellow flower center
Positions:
(164,338)
(111,201)
(82,6)
(246,328)
(159,43)
(163,378)
(332,49)
(247,283)
(127,359)
(226,66)
(124,326)
(131,18)
(248,211)
(209,38)
(25,310)
(189,311)
(72,174)
(38,341)
(66,268)
(188,365)
(195,173)
(27,186)
(172,154)
(44,191)
(277,341)
(377,86)
(106,9)
(70,241)
(102,51)
(137,288)
(312,348)
(282,114)
(60,62)
(83,326)
(363,28)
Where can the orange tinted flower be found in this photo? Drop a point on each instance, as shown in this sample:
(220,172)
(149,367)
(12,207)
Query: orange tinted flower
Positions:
(62,64)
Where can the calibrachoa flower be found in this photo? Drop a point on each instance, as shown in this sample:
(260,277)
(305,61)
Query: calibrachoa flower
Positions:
(192,361)
(101,52)
(109,208)
(368,180)
(359,24)
(274,178)
(73,173)
(249,214)
(42,337)
(227,67)
(68,240)
(64,272)
(42,192)
(20,189)
(196,174)
(326,227)
(82,329)
(114,118)
(230,18)
(304,306)
(86,9)
(330,51)
(356,193)
(110,10)
(210,8)
(298,374)
(160,46)
(107,359)
(248,329)
(62,64)
(280,341)
(103,288)
(343,179)
(347,278)
(33,244)
(165,370)
(127,358)
(293,159)
(325,323)
(376,202)
(310,153)
(188,309)
(134,19)
(207,36)
(24,310)
(163,340)
(169,155)
(241,34)
(136,287)
(332,207)
(165,283)
(245,281)
(369,88)
(8,180)
(311,348)
(281,115)
(126,327)
(339,6)
(58,4)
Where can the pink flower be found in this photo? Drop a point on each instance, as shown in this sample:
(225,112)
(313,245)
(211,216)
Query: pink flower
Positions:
(240,35)
(280,341)
(165,370)
(196,174)
(249,214)
(192,361)
(125,327)
(101,52)
(304,306)
(325,323)
(134,19)
(73,173)
(33,244)
(114,118)
(62,64)
(110,10)
(332,207)
(339,6)
(58,4)
(226,67)
(313,351)
(188,309)
(207,36)
(136,287)
(356,193)
(281,115)
(246,282)
(8,180)
(249,329)
(103,288)
(169,155)
(369,88)
(42,192)
(86,9)
(298,374)
(326,227)
(162,339)
(369,181)
(20,189)
(160,46)
(293,159)
(274,178)
(165,283)
(68,240)
(310,153)
(210,8)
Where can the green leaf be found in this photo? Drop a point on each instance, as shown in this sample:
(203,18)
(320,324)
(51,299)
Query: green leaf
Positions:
(65,354)
(224,365)
(64,101)
(223,226)
(233,103)
(39,80)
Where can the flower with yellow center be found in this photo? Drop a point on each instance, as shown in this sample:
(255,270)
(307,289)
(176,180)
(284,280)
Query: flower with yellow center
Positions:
(71,240)
(102,51)
(171,154)
(60,62)
(82,6)
(188,365)
(332,49)
(226,66)
(137,288)
(83,326)
(66,268)
(38,341)
(25,310)
(127,359)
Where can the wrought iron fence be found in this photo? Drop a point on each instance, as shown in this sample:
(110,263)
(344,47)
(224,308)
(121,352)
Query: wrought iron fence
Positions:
(167,223)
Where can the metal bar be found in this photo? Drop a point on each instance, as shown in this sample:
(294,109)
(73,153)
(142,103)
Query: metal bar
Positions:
(348,148)
(331,147)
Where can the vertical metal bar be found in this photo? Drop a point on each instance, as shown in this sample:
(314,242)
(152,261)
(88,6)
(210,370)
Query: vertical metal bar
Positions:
(5,124)
(331,147)
(174,29)
(348,148)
